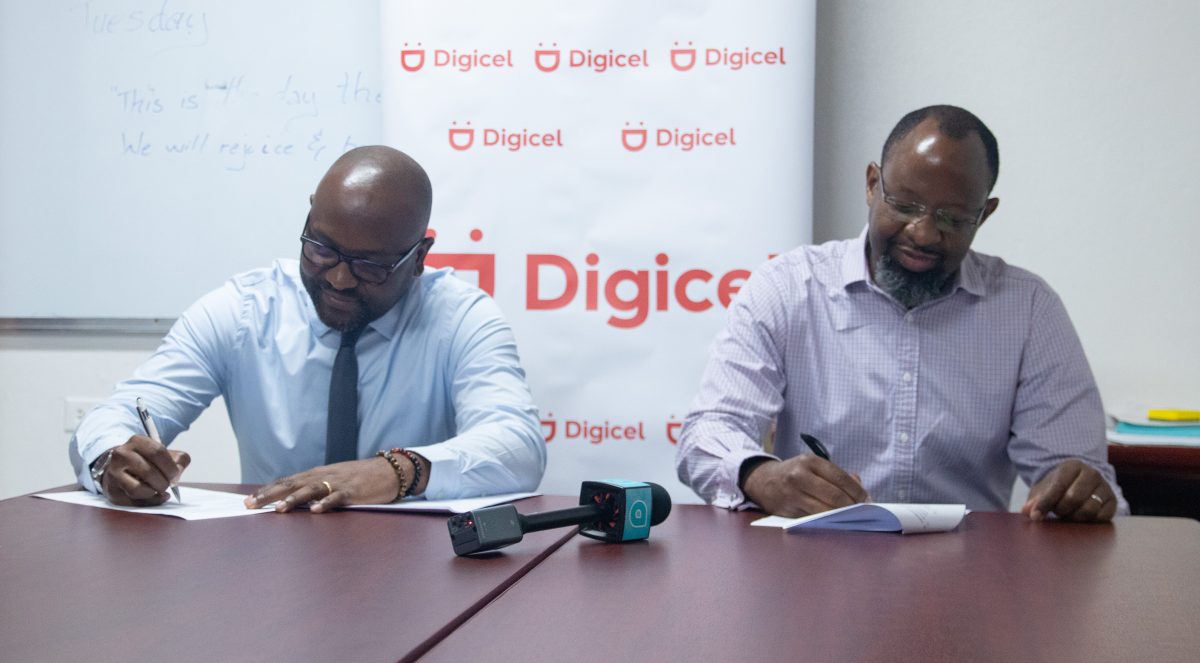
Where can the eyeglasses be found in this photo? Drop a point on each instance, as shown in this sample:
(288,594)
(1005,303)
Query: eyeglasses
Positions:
(327,257)
(946,222)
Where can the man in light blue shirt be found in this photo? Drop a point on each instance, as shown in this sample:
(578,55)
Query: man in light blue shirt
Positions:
(443,409)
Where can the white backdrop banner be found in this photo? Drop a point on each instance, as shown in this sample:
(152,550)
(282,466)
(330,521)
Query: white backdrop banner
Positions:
(610,171)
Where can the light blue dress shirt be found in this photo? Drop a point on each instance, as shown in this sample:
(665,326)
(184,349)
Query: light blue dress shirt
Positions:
(948,402)
(438,374)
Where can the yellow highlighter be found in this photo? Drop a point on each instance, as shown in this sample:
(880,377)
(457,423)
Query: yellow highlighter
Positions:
(1174,415)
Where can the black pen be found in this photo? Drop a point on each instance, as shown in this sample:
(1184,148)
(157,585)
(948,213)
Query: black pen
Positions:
(152,433)
(816,446)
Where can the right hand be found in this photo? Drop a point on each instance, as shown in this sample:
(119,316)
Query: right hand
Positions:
(141,472)
(801,486)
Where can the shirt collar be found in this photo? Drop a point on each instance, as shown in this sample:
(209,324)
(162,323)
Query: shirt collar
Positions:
(854,268)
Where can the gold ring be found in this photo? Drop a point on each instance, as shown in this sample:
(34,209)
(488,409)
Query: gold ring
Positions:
(1098,499)
(329,489)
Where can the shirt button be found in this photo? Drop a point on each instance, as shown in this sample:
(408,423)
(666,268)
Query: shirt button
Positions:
(908,317)
(903,495)
(904,437)
(907,376)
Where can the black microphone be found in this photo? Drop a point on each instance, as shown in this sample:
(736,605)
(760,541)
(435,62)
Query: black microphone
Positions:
(615,510)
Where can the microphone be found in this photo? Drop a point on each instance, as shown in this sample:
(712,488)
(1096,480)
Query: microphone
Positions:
(614,510)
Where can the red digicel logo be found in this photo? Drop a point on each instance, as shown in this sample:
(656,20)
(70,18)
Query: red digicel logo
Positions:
(552,282)
(685,57)
(644,291)
(549,59)
(462,138)
(636,138)
(582,429)
(413,59)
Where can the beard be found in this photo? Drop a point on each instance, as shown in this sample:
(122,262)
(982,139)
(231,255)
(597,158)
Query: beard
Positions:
(911,289)
(336,319)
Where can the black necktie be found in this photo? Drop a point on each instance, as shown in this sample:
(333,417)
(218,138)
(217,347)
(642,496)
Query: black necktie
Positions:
(341,437)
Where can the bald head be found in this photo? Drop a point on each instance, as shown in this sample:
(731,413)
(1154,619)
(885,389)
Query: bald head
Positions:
(370,213)
(378,183)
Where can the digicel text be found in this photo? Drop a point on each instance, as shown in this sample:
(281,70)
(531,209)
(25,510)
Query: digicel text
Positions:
(468,61)
(692,289)
(737,59)
(515,140)
(686,140)
(600,62)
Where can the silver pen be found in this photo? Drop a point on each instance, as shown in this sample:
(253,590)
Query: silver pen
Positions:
(152,433)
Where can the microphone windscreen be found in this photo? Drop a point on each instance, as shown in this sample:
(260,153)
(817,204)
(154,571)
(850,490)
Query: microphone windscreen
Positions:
(660,503)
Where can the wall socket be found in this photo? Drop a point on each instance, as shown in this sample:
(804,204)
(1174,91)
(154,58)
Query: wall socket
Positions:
(74,409)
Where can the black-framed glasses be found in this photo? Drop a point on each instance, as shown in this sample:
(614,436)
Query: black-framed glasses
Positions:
(946,222)
(367,271)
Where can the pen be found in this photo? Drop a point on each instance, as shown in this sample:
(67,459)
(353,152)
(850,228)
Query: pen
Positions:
(152,433)
(816,446)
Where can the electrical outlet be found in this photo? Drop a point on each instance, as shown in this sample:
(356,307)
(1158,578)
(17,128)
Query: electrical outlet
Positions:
(74,409)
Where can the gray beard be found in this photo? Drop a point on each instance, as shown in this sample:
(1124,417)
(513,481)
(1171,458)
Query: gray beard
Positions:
(911,289)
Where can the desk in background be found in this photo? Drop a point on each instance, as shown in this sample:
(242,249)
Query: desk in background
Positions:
(1158,480)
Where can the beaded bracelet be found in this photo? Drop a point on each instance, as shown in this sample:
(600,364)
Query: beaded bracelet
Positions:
(416,469)
(404,488)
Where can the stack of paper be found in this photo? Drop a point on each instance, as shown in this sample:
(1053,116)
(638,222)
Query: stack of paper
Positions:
(1135,426)
(905,518)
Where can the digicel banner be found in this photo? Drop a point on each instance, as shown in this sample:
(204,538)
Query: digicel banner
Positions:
(611,173)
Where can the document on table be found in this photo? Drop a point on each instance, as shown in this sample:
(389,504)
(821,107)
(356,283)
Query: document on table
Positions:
(195,504)
(445,506)
(871,517)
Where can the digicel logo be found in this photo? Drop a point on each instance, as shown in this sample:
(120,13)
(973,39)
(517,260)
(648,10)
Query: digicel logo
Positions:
(462,138)
(552,282)
(413,59)
(549,59)
(635,139)
(685,58)
(582,429)
(631,293)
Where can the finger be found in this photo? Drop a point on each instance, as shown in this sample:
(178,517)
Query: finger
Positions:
(276,490)
(162,459)
(1100,505)
(1108,512)
(142,469)
(1086,483)
(182,460)
(851,489)
(1046,493)
(331,501)
(303,495)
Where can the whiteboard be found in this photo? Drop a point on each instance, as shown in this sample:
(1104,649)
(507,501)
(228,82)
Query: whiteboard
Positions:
(150,149)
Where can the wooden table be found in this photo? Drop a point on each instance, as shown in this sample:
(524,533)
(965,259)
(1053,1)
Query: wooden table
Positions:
(87,584)
(707,587)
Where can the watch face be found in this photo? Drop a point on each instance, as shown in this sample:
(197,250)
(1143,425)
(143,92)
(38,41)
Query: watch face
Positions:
(99,465)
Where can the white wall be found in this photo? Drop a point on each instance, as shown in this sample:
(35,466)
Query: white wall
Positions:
(1095,107)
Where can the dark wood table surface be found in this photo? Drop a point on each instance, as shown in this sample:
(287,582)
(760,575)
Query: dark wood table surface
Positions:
(87,584)
(707,587)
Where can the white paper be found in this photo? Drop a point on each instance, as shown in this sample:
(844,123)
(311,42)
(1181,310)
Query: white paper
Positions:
(876,517)
(445,506)
(196,504)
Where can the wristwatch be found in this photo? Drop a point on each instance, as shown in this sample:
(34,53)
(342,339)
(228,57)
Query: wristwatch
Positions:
(98,468)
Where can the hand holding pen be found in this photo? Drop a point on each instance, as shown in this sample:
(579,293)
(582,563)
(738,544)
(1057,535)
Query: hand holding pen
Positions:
(141,472)
(152,433)
(804,484)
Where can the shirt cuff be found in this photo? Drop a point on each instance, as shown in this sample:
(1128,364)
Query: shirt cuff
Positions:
(443,471)
(729,494)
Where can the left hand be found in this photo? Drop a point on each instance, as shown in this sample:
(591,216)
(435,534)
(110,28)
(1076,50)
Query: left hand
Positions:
(370,481)
(1073,491)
